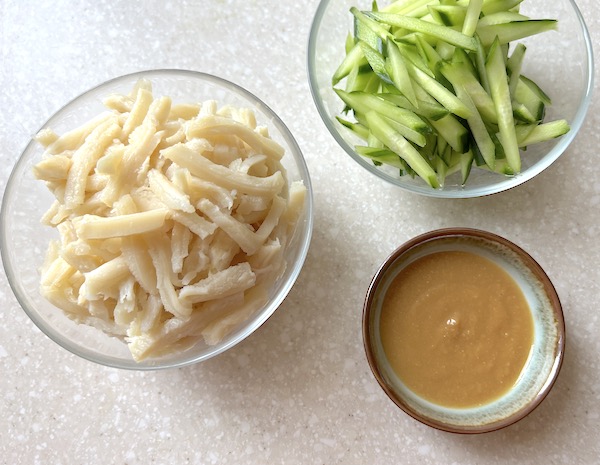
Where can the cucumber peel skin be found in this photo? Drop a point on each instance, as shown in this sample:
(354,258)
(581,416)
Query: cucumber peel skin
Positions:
(435,87)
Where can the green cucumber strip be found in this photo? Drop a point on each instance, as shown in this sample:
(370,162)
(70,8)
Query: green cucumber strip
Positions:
(411,54)
(542,132)
(536,89)
(384,132)
(352,83)
(480,57)
(405,7)
(363,34)
(421,12)
(477,156)
(451,129)
(502,167)
(381,156)
(495,6)
(524,115)
(433,57)
(448,15)
(523,131)
(399,74)
(439,92)
(429,151)
(504,48)
(350,42)
(478,128)
(466,163)
(376,28)
(496,70)
(428,53)
(376,60)
(501,17)
(441,146)
(424,96)
(389,89)
(357,128)
(482,100)
(363,103)
(516,30)
(479,131)
(499,148)
(372,141)
(463,59)
(430,110)
(454,164)
(445,50)
(418,25)
(352,59)
(472,17)
(441,169)
(463,3)
(527,95)
(447,155)
(362,78)
(415,137)
(514,65)
(416,9)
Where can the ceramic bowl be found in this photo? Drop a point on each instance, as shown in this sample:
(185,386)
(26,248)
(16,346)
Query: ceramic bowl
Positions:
(545,358)
(561,62)
(25,239)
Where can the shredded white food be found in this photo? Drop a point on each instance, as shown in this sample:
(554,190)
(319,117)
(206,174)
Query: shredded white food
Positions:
(173,220)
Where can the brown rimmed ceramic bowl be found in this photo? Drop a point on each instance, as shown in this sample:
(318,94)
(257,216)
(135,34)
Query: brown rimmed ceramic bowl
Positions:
(540,370)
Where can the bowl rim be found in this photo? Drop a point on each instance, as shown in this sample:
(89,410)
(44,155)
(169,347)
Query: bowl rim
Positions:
(497,187)
(530,263)
(304,233)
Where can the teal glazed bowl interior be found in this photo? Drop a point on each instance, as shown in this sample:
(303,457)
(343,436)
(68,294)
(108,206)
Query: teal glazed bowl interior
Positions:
(25,239)
(545,357)
(561,62)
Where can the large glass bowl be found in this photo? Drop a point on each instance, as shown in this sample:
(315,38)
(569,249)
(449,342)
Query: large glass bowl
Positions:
(25,239)
(561,62)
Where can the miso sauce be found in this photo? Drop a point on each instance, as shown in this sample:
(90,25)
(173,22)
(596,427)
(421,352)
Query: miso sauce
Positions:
(456,328)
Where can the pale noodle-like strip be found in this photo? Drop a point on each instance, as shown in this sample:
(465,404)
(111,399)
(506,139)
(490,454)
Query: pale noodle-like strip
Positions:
(97,227)
(218,125)
(234,279)
(85,158)
(221,175)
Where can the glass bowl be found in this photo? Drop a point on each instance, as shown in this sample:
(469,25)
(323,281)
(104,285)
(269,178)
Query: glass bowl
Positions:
(25,239)
(545,356)
(561,62)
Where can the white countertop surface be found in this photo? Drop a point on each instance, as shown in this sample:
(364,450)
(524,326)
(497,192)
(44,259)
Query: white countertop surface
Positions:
(299,390)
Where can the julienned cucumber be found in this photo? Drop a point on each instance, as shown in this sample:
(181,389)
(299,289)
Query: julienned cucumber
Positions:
(436,86)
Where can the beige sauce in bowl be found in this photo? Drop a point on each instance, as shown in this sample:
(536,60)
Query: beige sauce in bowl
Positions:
(456,328)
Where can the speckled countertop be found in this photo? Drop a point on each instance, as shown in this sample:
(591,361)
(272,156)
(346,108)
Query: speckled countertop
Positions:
(299,390)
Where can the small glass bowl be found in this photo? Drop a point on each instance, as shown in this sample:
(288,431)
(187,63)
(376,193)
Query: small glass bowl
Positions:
(561,62)
(25,239)
(541,369)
